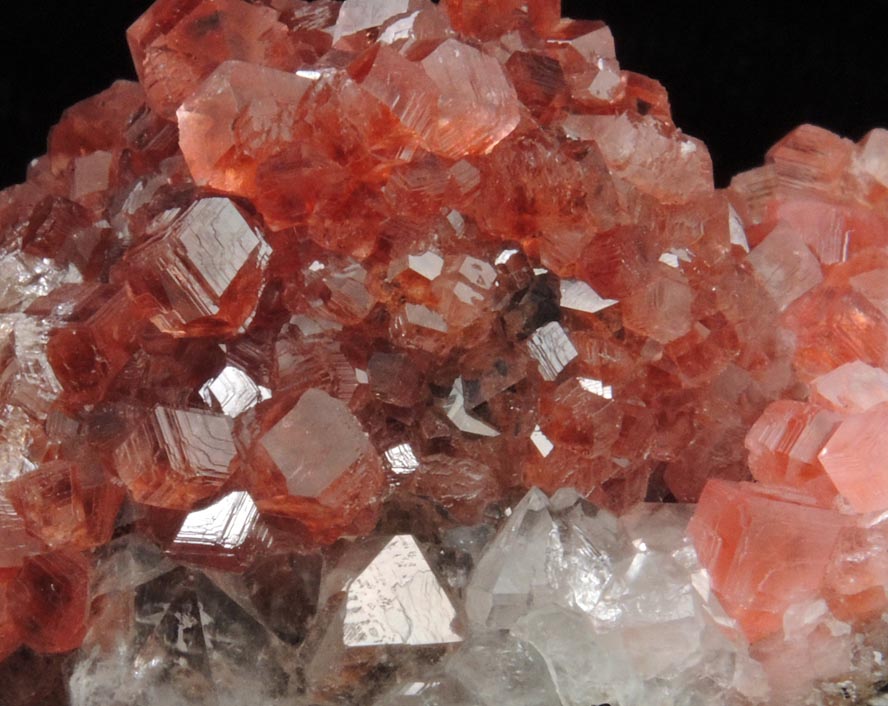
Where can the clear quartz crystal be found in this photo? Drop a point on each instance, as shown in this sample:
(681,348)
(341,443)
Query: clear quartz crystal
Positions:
(397,600)
(185,642)
(547,552)
(290,325)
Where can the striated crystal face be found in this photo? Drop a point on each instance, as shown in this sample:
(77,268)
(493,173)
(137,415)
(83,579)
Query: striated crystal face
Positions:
(400,353)
(221,533)
(176,457)
(397,600)
(205,269)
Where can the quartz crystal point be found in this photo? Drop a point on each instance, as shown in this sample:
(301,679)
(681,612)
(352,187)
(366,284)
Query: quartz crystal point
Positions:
(391,613)
(533,558)
(403,353)
(192,643)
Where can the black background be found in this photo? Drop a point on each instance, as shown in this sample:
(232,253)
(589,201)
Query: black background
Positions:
(738,78)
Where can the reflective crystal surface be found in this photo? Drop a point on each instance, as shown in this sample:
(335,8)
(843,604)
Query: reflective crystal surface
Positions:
(404,353)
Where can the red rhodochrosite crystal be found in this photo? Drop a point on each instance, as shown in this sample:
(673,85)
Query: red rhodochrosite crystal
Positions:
(289,326)
(176,457)
(50,601)
(317,465)
(67,504)
(177,44)
(815,216)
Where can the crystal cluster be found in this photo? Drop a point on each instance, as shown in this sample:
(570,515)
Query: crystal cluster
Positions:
(400,354)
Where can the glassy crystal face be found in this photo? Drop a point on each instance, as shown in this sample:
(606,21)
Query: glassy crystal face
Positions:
(176,457)
(206,270)
(190,642)
(394,353)
(397,600)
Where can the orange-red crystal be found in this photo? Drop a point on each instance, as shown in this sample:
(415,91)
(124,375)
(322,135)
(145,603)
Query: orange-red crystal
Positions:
(330,262)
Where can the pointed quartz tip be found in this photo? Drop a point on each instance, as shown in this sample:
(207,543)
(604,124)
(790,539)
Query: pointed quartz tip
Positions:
(188,632)
(536,500)
(518,570)
(416,610)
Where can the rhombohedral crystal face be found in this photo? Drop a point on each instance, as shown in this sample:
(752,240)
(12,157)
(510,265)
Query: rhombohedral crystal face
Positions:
(385,353)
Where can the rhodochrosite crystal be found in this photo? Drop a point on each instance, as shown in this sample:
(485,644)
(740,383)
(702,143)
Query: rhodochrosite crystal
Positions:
(387,353)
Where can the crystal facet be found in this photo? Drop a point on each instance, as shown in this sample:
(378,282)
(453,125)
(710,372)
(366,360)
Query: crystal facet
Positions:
(400,353)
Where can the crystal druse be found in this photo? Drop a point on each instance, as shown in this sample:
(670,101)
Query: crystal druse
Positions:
(386,353)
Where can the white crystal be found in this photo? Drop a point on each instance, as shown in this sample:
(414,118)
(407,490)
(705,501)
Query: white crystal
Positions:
(401,459)
(455,408)
(234,391)
(477,272)
(542,442)
(552,349)
(28,380)
(399,30)
(505,256)
(579,296)
(397,600)
(358,15)
(310,74)
(670,259)
(24,278)
(736,230)
(422,316)
(225,524)
(428,264)
(597,387)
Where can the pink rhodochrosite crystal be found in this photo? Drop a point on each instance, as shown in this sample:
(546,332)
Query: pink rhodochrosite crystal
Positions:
(392,353)
(853,458)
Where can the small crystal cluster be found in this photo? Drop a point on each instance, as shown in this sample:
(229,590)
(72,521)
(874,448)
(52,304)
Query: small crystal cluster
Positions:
(400,354)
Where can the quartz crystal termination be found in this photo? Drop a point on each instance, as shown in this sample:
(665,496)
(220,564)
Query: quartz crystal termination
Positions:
(400,354)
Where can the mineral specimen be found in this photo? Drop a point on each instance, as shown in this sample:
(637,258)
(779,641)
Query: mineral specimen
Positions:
(385,352)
